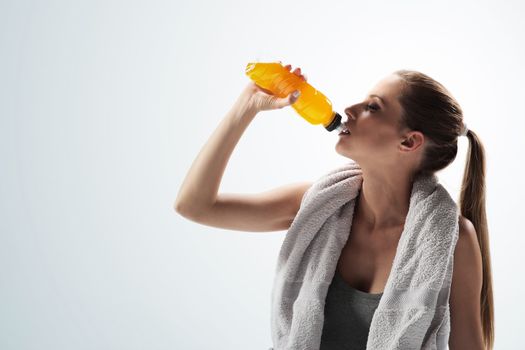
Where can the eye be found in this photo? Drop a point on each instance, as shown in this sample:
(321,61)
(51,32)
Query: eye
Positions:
(372,106)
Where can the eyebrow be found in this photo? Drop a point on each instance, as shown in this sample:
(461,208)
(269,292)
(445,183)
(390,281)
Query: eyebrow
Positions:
(379,97)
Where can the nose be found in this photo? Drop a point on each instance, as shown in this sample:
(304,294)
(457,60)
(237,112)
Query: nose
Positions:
(348,112)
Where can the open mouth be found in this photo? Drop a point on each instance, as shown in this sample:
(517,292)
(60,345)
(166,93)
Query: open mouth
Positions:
(344,132)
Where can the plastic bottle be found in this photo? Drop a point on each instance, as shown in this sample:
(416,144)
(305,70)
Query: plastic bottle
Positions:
(312,105)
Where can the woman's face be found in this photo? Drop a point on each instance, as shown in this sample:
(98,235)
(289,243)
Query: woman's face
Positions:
(374,126)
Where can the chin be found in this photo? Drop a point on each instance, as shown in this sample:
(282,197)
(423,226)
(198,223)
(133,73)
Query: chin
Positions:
(345,152)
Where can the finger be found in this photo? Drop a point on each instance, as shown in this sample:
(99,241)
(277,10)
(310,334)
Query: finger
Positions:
(297,71)
(288,100)
(288,66)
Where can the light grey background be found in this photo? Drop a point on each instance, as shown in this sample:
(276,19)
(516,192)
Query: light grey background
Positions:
(105,104)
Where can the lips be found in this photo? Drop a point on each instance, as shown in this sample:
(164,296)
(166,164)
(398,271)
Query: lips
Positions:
(345,131)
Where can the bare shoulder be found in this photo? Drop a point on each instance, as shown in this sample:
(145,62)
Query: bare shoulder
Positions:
(465,294)
(466,226)
(467,254)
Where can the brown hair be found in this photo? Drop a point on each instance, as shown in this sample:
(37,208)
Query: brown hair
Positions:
(429,107)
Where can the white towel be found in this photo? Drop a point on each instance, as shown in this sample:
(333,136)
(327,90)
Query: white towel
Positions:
(413,312)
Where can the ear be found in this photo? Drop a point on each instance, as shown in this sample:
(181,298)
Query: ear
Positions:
(411,141)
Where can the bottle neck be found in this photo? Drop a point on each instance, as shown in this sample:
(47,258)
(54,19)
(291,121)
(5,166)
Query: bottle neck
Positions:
(336,123)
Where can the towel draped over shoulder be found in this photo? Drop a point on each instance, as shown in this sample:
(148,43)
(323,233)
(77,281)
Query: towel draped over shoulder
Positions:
(413,312)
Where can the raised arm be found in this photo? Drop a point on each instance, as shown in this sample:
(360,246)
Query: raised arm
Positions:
(198,198)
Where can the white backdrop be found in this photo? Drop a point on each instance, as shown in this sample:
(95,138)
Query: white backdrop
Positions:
(105,104)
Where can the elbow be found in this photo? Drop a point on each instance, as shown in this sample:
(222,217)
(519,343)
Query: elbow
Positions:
(181,205)
(191,207)
(178,207)
(181,208)
(186,211)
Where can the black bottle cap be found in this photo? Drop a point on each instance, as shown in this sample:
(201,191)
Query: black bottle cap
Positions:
(334,123)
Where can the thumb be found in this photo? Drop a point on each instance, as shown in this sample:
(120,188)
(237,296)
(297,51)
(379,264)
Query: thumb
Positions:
(288,100)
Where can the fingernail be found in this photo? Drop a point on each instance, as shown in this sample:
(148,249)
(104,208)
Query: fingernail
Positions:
(296,93)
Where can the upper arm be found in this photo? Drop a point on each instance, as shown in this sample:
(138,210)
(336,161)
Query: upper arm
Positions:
(465,294)
(272,210)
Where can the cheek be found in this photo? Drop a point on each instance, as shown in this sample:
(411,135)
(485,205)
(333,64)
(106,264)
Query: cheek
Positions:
(380,138)
(376,130)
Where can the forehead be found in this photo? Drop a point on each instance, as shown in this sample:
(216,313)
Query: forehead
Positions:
(388,90)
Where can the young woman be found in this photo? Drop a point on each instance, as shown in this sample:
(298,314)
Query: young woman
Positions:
(408,125)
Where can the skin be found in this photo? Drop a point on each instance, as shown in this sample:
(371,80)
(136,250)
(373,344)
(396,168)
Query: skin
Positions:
(388,156)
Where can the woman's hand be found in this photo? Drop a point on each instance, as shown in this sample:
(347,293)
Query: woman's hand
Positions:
(260,99)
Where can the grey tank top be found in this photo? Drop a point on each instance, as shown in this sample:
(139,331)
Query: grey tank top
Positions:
(347,316)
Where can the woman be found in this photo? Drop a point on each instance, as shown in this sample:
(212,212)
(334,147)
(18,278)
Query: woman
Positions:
(408,125)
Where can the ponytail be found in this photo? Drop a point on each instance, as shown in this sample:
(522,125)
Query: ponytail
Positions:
(472,206)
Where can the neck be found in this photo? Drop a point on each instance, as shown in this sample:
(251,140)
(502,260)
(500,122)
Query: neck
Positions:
(384,198)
